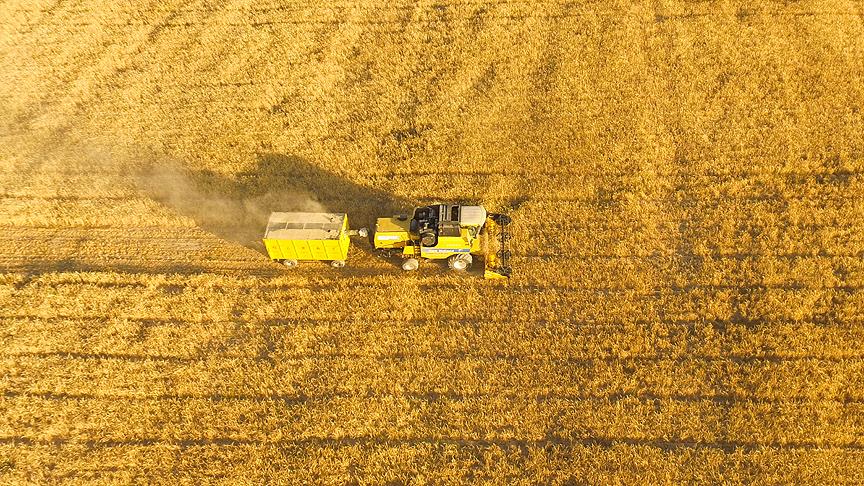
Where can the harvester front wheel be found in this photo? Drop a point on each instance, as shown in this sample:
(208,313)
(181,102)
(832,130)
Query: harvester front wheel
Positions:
(289,263)
(410,264)
(460,262)
(337,263)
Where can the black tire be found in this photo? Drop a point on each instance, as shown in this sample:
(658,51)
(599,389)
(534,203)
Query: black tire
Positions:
(460,262)
(410,264)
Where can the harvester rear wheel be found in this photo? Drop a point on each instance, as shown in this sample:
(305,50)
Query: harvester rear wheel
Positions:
(410,264)
(337,263)
(460,262)
(289,263)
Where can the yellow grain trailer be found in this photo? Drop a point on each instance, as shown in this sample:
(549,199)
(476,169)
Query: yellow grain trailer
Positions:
(294,237)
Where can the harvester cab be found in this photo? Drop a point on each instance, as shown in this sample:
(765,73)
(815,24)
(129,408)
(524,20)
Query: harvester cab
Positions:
(449,232)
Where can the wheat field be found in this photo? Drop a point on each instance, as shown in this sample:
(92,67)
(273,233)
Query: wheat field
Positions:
(686,180)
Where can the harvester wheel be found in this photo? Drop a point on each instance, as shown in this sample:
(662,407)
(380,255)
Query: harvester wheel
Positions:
(337,263)
(289,263)
(410,264)
(460,262)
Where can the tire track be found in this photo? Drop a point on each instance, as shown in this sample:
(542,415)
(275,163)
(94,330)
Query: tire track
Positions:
(435,442)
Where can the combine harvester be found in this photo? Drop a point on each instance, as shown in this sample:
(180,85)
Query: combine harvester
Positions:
(446,232)
(450,232)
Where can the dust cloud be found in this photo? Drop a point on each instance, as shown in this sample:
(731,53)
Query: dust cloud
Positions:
(232,210)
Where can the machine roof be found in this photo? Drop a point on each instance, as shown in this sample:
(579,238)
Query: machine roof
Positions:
(304,226)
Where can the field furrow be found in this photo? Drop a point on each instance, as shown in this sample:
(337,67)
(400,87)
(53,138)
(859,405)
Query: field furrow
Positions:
(625,420)
(335,460)
(446,338)
(695,376)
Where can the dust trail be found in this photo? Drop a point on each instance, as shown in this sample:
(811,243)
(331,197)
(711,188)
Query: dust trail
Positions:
(232,210)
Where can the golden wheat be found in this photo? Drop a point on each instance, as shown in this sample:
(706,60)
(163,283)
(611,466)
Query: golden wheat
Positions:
(686,186)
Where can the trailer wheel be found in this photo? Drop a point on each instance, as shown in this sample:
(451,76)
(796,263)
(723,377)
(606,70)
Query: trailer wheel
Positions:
(410,264)
(289,263)
(460,262)
(337,263)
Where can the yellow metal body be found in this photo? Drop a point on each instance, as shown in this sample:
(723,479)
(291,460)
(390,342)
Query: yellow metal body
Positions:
(493,275)
(307,236)
(393,233)
(451,245)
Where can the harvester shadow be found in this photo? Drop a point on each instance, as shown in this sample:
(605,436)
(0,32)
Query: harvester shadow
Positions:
(285,179)
(236,208)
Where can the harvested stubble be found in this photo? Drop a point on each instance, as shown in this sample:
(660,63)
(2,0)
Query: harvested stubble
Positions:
(685,180)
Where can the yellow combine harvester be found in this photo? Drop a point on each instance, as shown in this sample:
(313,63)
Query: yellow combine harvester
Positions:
(447,231)
(294,237)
